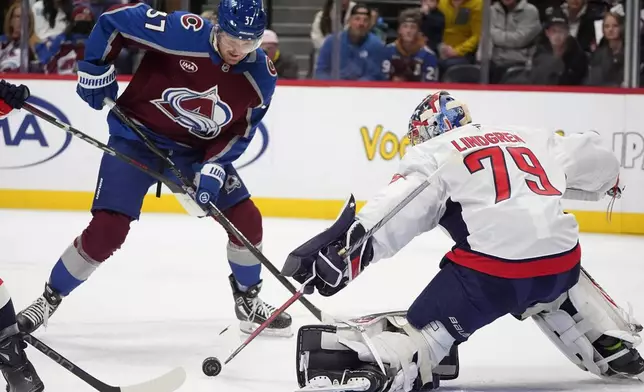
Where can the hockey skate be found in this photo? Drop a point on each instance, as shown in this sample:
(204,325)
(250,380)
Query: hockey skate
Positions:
(628,362)
(39,312)
(19,373)
(252,311)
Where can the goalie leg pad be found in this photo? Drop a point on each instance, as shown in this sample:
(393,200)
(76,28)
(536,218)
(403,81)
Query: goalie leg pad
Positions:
(323,363)
(569,338)
(581,320)
(328,354)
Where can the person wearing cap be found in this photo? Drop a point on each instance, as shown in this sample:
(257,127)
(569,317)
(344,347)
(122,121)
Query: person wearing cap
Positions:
(558,60)
(581,22)
(360,51)
(408,59)
(514,27)
(58,54)
(285,63)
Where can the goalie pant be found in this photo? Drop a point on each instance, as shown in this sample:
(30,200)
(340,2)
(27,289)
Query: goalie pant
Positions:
(456,303)
(463,300)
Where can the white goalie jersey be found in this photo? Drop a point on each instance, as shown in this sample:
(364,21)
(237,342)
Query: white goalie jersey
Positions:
(497,193)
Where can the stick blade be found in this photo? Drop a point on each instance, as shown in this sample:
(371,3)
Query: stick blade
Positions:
(168,382)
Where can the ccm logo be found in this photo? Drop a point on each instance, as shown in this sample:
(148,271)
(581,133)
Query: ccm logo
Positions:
(188,66)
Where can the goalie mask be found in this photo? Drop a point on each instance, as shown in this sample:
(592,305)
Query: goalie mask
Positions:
(437,114)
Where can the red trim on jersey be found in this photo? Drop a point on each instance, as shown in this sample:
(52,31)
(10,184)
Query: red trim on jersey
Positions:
(531,268)
(1,282)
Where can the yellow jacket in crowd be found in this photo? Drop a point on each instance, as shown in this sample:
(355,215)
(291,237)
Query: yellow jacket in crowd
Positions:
(462,24)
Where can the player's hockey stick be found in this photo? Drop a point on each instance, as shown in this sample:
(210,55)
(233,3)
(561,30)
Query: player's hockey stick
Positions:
(177,190)
(211,209)
(171,381)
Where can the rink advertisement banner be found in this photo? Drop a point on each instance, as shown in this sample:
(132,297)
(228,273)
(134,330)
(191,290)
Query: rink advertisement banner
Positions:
(317,145)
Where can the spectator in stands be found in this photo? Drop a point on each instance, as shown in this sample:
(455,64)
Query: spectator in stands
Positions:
(514,27)
(360,51)
(462,31)
(378,26)
(323,23)
(10,41)
(545,5)
(433,23)
(51,17)
(408,59)
(58,54)
(559,60)
(285,63)
(210,15)
(581,22)
(607,62)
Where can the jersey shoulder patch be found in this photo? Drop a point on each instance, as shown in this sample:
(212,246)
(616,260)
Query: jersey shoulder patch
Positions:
(192,22)
(262,71)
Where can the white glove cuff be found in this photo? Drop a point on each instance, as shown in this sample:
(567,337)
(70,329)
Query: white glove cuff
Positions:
(92,82)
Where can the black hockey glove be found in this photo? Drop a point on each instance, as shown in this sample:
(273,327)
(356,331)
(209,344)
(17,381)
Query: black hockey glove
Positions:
(12,95)
(334,272)
(317,261)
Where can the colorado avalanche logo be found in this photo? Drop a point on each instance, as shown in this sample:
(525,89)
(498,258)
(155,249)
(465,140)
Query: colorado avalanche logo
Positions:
(203,114)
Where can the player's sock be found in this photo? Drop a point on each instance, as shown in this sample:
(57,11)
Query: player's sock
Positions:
(244,265)
(71,270)
(253,311)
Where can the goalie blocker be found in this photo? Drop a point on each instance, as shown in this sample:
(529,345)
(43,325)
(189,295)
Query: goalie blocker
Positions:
(328,360)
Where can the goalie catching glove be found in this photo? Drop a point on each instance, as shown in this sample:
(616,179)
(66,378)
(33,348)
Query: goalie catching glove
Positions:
(318,261)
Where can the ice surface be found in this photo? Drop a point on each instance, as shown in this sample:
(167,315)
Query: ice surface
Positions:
(162,299)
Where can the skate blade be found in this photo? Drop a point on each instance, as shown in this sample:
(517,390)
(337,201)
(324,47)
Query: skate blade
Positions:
(353,387)
(248,327)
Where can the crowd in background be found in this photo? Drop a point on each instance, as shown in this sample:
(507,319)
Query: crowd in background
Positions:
(565,42)
(554,42)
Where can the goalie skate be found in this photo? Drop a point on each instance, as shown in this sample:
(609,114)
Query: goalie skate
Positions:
(251,312)
(369,379)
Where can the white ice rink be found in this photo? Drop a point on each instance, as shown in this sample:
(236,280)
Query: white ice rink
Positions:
(162,299)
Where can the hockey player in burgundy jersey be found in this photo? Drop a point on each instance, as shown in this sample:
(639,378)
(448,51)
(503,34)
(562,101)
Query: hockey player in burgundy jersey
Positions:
(200,92)
(497,193)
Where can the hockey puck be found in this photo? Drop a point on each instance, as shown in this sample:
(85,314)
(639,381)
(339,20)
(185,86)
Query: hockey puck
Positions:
(211,367)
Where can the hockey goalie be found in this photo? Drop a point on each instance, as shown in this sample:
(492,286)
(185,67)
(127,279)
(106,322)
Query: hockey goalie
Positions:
(497,193)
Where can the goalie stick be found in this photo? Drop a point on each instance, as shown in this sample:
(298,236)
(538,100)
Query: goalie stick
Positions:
(347,250)
(212,210)
(169,382)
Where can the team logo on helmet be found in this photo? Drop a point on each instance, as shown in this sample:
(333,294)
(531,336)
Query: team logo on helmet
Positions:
(203,114)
